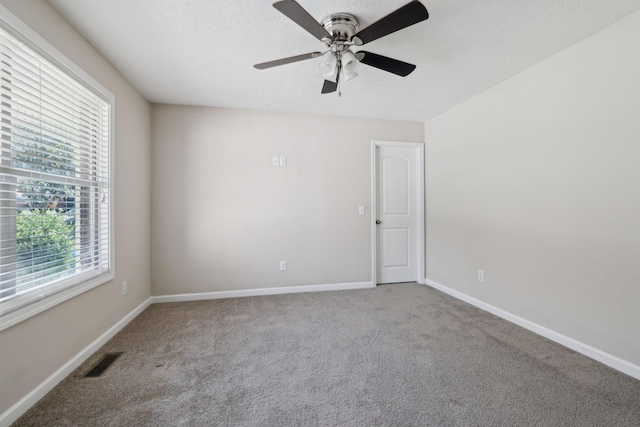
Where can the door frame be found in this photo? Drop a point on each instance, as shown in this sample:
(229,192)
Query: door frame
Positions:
(419,177)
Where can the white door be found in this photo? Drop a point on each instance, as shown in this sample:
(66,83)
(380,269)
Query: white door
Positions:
(397,215)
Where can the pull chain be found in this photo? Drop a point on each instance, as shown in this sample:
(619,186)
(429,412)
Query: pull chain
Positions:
(338,77)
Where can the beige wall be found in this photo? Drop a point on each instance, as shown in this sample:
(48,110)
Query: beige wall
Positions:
(34,349)
(537,182)
(223,217)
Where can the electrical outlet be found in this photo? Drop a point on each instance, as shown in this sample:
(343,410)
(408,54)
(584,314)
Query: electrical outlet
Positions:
(283,265)
(124,288)
(480,276)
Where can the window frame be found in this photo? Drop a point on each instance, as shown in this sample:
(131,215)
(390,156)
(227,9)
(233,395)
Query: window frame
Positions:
(18,29)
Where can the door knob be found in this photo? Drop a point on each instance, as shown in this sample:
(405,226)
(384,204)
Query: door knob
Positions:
(378,221)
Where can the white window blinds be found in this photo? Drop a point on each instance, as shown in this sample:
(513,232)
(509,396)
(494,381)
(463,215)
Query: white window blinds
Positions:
(54,178)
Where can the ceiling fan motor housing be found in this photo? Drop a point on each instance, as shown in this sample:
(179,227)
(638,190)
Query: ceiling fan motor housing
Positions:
(341,26)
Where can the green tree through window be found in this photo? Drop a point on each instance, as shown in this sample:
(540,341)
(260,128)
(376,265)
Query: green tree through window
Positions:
(45,224)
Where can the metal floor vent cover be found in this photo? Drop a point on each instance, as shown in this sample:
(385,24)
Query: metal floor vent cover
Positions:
(103,364)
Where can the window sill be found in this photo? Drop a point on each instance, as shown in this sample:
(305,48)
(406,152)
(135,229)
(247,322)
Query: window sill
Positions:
(46,303)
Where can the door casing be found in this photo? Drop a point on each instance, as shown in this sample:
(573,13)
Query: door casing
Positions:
(418,148)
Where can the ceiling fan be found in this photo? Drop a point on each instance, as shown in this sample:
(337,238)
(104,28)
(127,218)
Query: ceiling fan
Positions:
(339,32)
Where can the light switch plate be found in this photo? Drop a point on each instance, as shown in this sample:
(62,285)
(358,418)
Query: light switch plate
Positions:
(283,161)
(275,161)
(360,210)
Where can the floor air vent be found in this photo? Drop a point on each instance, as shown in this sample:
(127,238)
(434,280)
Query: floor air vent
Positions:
(103,364)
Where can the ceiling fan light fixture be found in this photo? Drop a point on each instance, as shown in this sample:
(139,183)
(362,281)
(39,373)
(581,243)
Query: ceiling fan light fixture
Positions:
(333,77)
(346,77)
(350,65)
(329,67)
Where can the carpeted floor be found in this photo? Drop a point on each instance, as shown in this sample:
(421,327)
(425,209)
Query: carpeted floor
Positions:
(396,355)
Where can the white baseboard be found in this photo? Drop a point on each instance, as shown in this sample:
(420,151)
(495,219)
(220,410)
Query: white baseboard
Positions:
(260,291)
(20,407)
(599,355)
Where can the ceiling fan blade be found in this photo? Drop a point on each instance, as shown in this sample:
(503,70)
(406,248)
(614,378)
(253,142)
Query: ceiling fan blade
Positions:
(384,63)
(407,15)
(329,87)
(288,60)
(297,14)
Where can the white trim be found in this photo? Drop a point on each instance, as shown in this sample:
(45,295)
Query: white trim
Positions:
(420,211)
(260,291)
(374,214)
(19,408)
(420,171)
(591,352)
(21,31)
(11,319)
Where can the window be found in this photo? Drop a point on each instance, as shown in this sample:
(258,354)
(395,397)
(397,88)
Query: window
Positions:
(54,177)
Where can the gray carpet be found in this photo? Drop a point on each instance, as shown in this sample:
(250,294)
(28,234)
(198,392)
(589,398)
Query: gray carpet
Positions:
(397,355)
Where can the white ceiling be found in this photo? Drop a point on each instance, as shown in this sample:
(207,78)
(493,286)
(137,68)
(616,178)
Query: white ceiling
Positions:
(201,52)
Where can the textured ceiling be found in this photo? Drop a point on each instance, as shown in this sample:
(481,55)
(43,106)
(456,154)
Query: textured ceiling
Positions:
(201,52)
